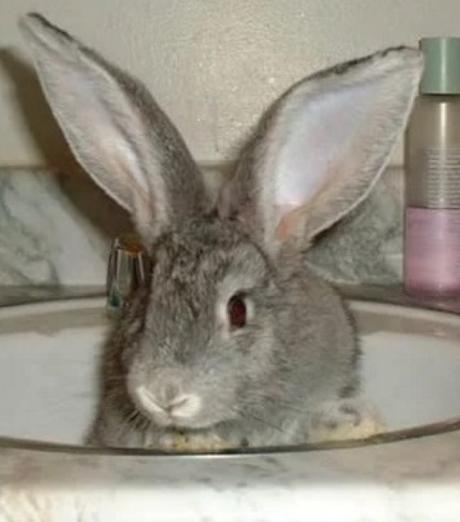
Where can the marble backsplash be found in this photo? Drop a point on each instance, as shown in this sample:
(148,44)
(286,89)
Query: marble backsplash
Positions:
(53,230)
(56,229)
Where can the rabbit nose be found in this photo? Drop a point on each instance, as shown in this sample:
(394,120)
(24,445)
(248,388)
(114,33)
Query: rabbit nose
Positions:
(169,403)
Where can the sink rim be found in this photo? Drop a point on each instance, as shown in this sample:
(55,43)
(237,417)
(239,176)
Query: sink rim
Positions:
(411,434)
(426,430)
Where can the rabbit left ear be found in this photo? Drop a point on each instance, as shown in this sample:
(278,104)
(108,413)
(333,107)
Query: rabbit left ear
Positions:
(322,147)
(116,131)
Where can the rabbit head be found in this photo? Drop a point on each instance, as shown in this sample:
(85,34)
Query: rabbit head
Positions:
(228,325)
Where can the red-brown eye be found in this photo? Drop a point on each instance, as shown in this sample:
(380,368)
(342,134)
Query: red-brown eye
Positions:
(237,311)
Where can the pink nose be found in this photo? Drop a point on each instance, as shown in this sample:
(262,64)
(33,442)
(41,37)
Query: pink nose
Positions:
(170,407)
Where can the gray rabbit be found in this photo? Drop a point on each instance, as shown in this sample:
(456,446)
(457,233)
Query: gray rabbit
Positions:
(234,342)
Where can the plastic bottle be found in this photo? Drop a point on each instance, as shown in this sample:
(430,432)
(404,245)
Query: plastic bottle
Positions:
(432,208)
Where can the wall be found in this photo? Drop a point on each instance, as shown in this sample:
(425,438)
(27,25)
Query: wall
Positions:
(213,65)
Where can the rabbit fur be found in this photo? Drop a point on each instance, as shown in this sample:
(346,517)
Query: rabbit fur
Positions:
(176,371)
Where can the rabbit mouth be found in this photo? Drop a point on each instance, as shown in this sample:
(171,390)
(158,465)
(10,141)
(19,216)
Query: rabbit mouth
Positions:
(186,412)
(181,410)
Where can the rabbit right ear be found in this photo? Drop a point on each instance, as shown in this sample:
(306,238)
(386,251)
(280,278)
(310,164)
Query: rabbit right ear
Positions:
(116,131)
(322,147)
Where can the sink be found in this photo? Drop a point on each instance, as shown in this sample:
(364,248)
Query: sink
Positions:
(411,373)
(49,352)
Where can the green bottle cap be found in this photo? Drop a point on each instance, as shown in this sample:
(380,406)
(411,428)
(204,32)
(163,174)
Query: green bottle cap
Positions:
(442,65)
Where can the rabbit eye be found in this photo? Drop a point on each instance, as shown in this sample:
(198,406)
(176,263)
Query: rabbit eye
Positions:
(237,311)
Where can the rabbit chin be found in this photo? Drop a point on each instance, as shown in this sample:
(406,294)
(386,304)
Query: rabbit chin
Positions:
(167,421)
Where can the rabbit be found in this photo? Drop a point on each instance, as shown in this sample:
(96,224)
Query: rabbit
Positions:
(233,342)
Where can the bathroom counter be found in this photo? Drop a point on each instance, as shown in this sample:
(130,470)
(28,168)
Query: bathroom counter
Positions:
(12,295)
(21,294)
(415,480)
(395,295)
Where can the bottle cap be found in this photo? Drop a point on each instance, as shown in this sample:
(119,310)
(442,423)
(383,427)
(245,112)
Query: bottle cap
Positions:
(442,65)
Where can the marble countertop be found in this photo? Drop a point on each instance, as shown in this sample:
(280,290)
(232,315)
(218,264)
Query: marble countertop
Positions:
(396,295)
(20,294)
(412,480)
(415,480)
(12,295)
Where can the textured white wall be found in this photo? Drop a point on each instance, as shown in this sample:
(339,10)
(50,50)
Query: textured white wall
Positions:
(212,64)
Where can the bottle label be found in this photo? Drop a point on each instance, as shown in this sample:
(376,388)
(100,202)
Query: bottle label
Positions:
(442,168)
(432,251)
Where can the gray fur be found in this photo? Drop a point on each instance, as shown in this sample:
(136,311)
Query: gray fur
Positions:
(264,383)
(270,377)
(358,249)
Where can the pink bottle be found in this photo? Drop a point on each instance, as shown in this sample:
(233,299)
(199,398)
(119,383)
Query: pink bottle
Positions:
(432,212)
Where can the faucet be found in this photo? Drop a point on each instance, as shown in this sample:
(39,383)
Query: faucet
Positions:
(127,270)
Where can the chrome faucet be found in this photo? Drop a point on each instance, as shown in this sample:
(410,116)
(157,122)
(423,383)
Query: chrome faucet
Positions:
(127,270)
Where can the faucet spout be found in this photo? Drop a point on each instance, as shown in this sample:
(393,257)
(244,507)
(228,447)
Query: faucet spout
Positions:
(127,270)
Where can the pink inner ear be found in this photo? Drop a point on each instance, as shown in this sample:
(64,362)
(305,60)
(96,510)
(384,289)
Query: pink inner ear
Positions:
(292,218)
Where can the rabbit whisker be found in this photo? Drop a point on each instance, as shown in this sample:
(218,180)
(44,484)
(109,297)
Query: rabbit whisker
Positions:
(134,420)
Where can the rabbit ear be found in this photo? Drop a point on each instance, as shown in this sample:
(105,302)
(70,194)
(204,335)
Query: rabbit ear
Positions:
(321,148)
(116,131)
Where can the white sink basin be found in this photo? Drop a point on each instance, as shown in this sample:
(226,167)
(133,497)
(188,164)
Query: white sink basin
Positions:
(48,363)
